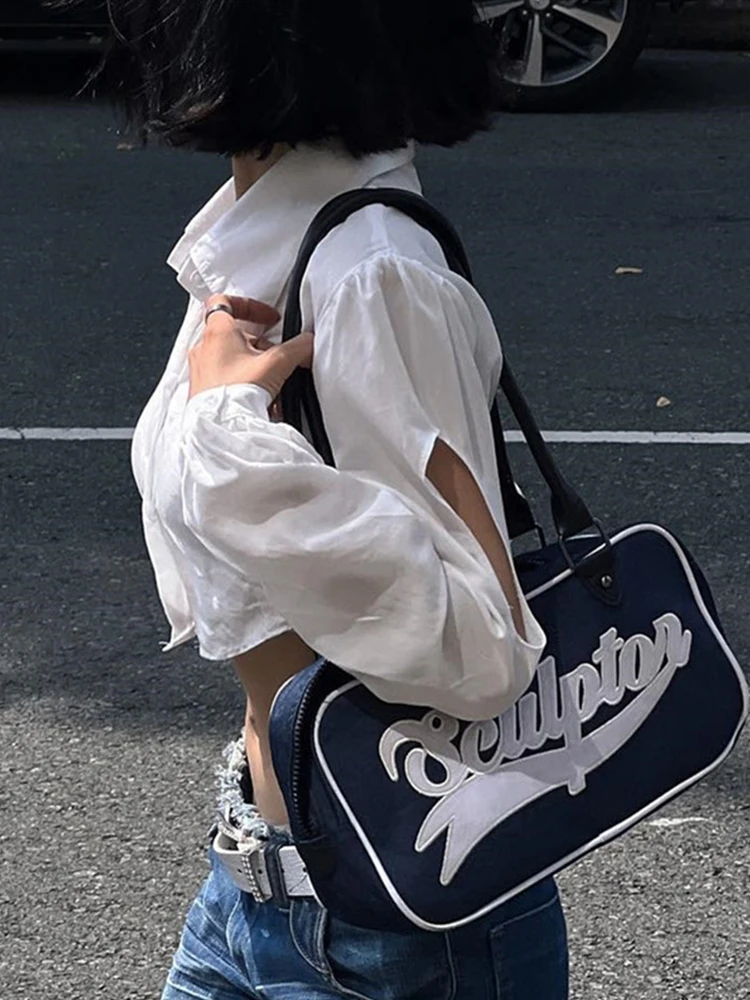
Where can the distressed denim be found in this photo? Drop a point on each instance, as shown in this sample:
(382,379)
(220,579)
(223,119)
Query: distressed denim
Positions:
(235,949)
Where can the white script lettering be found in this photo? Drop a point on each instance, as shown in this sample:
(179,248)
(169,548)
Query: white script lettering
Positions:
(486,777)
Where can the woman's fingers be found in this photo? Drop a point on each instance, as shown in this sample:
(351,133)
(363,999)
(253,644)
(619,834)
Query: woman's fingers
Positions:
(253,334)
(248,310)
(273,367)
(298,351)
(225,357)
(234,348)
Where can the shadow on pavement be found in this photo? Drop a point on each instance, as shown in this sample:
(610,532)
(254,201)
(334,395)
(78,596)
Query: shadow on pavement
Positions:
(681,81)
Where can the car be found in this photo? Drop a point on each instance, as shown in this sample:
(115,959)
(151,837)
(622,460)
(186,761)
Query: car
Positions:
(557,55)
(26,25)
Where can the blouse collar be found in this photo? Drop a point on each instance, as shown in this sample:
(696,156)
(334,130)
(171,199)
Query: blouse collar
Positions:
(247,246)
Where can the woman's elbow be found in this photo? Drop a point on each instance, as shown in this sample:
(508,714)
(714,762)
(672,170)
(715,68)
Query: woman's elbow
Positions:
(471,689)
(487,692)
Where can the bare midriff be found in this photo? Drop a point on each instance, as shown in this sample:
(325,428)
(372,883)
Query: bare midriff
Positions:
(262,671)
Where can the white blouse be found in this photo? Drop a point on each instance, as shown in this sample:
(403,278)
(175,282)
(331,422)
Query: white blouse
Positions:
(251,534)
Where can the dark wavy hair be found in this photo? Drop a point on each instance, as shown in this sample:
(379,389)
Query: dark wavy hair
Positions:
(238,76)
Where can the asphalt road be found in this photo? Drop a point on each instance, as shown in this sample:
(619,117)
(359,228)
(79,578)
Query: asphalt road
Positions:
(107,747)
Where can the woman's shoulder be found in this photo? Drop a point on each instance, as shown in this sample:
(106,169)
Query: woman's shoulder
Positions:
(385,275)
(374,244)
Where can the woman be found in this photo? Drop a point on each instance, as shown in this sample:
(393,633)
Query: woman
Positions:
(394,565)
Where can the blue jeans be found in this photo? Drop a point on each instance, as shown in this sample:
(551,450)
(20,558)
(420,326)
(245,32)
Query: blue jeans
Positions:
(235,949)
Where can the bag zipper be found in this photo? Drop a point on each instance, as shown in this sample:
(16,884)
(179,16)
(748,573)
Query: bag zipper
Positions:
(296,769)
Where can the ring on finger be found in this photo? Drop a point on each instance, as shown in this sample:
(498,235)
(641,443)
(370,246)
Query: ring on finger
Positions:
(220,307)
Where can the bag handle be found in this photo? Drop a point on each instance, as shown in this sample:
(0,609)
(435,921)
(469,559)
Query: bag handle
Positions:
(298,397)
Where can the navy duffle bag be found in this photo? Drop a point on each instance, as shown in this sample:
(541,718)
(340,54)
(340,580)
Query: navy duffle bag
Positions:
(406,817)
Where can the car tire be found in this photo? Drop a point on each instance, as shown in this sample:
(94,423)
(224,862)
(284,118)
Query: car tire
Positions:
(595,84)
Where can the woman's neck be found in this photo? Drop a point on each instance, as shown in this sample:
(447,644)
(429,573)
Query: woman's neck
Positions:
(247,169)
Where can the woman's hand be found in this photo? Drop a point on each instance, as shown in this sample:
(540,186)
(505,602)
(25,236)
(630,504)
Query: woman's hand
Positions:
(233,349)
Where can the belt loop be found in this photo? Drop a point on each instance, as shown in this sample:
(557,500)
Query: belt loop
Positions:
(275,873)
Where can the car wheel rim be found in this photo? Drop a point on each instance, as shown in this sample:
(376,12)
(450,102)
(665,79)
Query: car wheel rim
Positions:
(546,43)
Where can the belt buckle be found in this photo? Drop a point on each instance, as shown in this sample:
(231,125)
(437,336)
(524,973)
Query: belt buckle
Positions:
(251,857)
(252,861)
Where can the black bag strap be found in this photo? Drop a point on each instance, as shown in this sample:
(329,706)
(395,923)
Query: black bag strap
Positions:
(298,397)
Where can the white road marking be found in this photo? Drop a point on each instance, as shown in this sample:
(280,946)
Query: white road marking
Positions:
(513,437)
(66,433)
(681,821)
(639,437)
